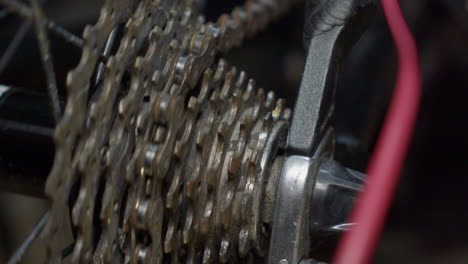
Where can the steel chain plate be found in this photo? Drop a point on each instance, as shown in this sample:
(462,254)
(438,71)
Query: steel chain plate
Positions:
(171,155)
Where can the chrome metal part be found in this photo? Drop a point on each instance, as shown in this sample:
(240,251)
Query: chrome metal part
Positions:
(333,196)
(290,233)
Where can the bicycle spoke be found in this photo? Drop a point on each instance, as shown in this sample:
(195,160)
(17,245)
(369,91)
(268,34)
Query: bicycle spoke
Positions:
(14,44)
(46,57)
(16,257)
(66,35)
(16,7)
(27,13)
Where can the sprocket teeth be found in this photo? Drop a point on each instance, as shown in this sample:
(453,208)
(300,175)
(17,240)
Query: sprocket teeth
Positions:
(207,256)
(188,226)
(192,161)
(243,242)
(224,250)
(169,240)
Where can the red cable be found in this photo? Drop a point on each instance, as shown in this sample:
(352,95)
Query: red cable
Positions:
(370,211)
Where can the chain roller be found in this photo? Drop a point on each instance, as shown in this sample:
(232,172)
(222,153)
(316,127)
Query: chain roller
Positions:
(170,153)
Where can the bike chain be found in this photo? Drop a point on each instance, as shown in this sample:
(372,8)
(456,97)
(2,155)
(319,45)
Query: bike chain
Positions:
(172,152)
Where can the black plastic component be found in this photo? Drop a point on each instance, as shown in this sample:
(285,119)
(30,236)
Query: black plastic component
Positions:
(332,29)
(26,141)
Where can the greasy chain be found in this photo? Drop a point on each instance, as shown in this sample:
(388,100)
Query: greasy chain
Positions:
(167,157)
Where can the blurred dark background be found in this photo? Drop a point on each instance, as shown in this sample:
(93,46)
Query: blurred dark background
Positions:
(427,222)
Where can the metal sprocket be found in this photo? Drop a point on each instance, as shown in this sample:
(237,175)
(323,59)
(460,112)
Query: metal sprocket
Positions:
(171,153)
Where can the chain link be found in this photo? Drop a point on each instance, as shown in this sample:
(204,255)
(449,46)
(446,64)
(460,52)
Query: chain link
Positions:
(170,155)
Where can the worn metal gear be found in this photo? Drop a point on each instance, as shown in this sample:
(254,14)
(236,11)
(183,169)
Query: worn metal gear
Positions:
(169,151)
